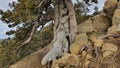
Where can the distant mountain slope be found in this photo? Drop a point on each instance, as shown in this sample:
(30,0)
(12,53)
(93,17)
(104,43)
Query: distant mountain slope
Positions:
(1,40)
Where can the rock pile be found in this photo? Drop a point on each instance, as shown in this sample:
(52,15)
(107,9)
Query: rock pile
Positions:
(82,55)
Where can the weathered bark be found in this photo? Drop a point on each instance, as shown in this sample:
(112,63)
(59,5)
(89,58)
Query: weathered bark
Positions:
(63,31)
(73,23)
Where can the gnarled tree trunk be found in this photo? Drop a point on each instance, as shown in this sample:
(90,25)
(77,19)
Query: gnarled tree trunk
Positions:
(65,30)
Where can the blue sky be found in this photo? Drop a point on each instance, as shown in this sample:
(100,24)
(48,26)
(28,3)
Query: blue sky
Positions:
(4,6)
(3,26)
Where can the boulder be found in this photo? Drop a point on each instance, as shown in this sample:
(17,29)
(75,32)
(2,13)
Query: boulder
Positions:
(96,39)
(68,60)
(76,47)
(109,8)
(100,22)
(111,30)
(109,47)
(80,40)
(84,53)
(55,64)
(85,27)
(86,64)
(107,53)
(114,29)
(81,37)
(116,17)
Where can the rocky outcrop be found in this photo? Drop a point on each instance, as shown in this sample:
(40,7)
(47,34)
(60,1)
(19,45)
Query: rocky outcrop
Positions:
(98,23)
(100,55)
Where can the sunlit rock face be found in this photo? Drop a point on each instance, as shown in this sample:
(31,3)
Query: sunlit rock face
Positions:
(109,8)
(115,28)
(83,29)
(100,22)
(80,41)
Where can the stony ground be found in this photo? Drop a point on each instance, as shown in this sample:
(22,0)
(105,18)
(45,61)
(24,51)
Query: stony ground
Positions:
(93,53)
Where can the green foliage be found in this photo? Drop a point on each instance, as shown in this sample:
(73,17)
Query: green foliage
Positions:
(1,40)
(23,11)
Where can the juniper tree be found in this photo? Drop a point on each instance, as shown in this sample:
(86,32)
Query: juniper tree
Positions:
(33,14)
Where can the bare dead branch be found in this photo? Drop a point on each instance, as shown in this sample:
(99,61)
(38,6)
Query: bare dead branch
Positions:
(46,18)
(31,35)
(29,39)
(44,3)
(40,3)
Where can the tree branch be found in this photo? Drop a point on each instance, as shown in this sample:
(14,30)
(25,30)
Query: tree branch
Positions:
(46,18)
(31,34)
(40,4)
(30,37)
(44,3)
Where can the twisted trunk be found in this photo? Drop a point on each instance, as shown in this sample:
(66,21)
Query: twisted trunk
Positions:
(65,30)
